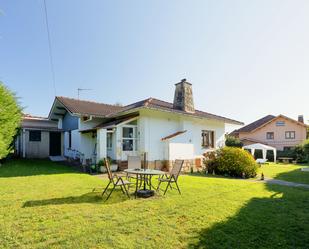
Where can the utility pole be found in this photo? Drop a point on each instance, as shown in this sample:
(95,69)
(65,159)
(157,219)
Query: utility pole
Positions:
(82,89)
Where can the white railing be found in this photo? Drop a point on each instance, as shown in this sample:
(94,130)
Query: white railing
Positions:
(75,155)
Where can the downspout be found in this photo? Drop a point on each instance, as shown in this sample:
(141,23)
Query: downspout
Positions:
(24,142)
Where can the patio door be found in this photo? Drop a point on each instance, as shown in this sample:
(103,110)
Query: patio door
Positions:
(129,141)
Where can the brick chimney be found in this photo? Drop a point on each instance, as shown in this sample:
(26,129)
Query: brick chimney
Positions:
(301,118)
(183,98)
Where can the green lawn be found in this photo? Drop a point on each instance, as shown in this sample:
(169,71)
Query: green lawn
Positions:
(46,205)
(287,172)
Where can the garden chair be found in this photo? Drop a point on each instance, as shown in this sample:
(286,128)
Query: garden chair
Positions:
(134,162)
(116,181)
(172,177)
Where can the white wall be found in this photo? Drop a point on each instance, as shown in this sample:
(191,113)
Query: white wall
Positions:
(154,125)
(87,145)
(101,144)
(180,151)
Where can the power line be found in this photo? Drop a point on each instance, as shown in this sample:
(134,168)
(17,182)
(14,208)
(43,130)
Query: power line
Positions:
(49,48)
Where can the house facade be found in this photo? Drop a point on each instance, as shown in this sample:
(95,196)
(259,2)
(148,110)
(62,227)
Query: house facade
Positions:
(39,138)
(279,131)
(165,131)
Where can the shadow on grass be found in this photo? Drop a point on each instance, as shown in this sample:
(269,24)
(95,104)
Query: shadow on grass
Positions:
(296,175)
(280,221)
(32,167)
(91,197)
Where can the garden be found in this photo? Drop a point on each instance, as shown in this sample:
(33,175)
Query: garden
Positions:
(49,205)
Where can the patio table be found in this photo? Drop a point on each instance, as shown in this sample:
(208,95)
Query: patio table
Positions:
(144,175)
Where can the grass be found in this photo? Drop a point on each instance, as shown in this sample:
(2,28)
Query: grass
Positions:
(47,205)
(286,172)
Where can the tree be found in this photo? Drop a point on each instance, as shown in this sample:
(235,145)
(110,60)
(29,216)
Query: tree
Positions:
(10,119)
(233,142)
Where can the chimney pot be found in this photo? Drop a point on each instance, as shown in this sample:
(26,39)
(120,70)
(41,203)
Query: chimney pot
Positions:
(301,118)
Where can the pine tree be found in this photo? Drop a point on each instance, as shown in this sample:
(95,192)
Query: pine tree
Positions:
(10,119)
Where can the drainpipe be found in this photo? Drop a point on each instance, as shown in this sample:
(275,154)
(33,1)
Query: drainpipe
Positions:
(24,142)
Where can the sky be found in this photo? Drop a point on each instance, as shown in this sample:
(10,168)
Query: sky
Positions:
(245,59)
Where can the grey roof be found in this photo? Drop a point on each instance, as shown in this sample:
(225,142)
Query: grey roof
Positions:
(88,107)
(152,103)
(256,124)
(111,111)
(39,123)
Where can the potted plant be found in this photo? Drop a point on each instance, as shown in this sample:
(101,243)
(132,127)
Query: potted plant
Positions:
(114,165)
(101,165)
(102,168)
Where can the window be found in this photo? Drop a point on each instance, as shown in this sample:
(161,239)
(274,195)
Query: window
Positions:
(109,141)
(280,123)
(208,138)
(35,136)
(290,135)
(129,138)
(270,135)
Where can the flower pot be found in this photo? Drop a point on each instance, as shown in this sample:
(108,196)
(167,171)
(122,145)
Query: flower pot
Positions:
(114,167)
(103,169)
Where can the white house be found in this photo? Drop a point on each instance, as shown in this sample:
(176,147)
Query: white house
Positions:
(165,131)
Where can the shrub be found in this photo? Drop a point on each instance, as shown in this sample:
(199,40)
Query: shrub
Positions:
(306,150)
(231,161)
(10,118)
(299,152)
(286,153)
(233,142)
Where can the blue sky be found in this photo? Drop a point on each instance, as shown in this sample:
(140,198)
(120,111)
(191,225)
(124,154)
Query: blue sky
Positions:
(245,59)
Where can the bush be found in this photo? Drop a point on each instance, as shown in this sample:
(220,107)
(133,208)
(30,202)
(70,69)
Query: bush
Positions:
(10,118)
(287,153)
(306,150)
(233,142)
(300,155)
(231,161)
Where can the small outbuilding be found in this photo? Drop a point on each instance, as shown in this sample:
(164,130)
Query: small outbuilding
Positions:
(263,147)
(39,138)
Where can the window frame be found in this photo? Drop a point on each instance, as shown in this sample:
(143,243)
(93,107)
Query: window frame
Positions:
(33,138)
(210,144)
(109,140)
(270,137)
(280,123)
(290,133)
(133,138)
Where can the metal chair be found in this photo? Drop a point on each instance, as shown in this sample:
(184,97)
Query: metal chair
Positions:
(116,181)
(172,177)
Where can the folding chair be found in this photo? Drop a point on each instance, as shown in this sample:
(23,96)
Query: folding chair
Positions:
(172,177)
(116,181)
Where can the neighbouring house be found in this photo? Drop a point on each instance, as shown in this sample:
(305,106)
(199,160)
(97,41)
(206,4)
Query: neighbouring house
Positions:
(39,138)
(165,131)
(280,131)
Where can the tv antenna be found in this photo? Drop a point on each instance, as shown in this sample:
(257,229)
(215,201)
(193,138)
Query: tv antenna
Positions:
(82,89)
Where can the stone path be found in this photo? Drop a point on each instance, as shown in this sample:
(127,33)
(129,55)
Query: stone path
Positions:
(281,182)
